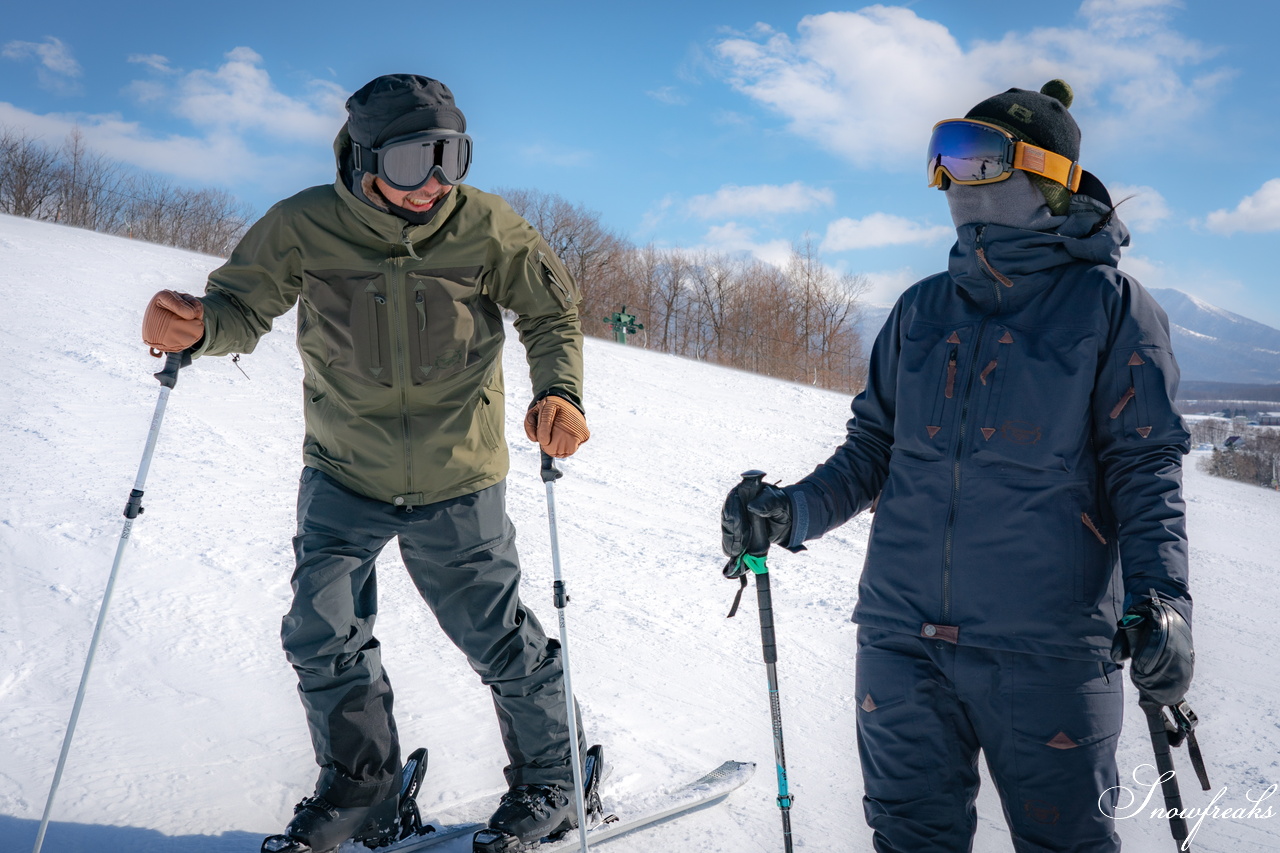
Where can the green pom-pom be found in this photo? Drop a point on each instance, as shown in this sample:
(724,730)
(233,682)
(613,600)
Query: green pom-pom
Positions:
(1060,90)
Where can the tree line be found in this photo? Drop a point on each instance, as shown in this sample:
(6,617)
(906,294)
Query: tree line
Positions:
(72,185)
(1254,459)
(797,322)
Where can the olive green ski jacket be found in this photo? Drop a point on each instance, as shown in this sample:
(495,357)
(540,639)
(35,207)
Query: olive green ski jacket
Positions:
(400,331)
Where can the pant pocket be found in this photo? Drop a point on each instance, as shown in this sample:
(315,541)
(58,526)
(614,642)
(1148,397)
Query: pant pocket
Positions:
(895,764)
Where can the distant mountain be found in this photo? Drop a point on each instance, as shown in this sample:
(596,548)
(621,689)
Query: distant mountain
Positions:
(1215,345)
(1210,343)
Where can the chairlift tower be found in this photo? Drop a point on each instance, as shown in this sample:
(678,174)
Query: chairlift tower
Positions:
(623,324)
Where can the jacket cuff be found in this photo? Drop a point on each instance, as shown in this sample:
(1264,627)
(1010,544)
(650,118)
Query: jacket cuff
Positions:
(561,393)
(799,519)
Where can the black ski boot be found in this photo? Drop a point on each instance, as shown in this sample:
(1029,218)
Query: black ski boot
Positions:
(318,826)
(529,814)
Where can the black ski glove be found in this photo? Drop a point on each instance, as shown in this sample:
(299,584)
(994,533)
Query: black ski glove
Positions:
(772,504)
(1158,640)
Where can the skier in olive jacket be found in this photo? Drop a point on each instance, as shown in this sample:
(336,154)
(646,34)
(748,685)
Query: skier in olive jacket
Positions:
(400,272)
(1019,446)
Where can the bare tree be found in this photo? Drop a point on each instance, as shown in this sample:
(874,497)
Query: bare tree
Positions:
(28,174)
(797,323)
(74,186)
(89,187)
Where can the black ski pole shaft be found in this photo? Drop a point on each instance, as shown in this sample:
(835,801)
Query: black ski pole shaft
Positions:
(1164,766)
(550,473)
(133,508)
(755,559)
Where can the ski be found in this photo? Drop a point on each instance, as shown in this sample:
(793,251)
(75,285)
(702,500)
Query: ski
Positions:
(627,815)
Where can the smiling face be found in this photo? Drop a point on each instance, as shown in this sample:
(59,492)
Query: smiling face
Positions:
(420,200)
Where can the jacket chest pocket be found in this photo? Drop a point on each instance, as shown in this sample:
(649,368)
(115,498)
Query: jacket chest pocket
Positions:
(351,318)
(447,324)
(930,385)
(1032,402)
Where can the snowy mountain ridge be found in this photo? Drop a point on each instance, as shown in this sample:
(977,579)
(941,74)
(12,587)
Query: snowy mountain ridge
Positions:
(192,739)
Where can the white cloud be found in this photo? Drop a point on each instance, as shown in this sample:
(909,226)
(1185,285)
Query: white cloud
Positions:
(154,61)
(226,107)
(1143,209)
(884,288)
(762,200)
(58,70)
(734,238)
(668,95)
(213,159)
(868,85)
(1256,213)
(240,96)
(881,229)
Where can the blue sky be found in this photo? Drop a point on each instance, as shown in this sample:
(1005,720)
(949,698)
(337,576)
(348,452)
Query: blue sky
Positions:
(740,126)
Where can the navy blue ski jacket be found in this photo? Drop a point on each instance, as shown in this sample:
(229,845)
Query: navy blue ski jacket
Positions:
(1019,446)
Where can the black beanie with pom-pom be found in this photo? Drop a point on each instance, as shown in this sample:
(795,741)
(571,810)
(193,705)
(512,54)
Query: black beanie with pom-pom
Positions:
(1042,119)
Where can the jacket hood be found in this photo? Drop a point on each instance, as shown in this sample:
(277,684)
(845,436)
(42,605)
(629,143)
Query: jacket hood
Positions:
(999,268)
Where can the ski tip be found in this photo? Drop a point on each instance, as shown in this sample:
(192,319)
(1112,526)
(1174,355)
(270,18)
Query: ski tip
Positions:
(728,770)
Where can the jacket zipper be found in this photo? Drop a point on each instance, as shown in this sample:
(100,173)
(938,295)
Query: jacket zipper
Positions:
(397,339)
(953,509)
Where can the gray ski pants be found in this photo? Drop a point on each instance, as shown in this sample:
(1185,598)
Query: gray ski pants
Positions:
(461,555)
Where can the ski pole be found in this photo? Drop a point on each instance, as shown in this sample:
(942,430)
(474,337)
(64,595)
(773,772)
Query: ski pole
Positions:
(133,508)
(550,473)
(754,559)
(1164,735)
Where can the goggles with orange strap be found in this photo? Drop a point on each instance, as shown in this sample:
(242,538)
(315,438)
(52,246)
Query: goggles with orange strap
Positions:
(970,152)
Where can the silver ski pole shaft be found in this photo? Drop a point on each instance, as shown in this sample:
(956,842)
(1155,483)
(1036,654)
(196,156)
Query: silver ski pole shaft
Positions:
(550,473)
(168,379)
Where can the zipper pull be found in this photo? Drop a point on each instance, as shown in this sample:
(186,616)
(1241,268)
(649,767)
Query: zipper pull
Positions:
(951,375)
(422,311)
(408,244)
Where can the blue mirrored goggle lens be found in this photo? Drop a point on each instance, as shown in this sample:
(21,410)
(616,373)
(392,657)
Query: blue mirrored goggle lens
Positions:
(969,152)
(410,163)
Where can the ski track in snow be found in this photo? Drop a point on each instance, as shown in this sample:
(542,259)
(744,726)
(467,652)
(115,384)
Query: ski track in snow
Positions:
(192,739)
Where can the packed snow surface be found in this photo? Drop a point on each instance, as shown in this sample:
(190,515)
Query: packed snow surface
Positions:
(192,738)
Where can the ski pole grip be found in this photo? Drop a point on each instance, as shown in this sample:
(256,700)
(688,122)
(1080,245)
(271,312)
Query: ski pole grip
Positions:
(550,473)
(764,600)
(751,486)
(174,362)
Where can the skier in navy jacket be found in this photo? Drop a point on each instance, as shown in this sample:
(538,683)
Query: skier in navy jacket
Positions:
(1018,443)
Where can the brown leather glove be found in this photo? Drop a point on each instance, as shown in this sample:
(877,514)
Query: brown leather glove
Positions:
(173,321)
(557,425)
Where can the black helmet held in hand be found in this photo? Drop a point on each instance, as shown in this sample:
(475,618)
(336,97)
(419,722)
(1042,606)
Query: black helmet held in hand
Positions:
(1158,640)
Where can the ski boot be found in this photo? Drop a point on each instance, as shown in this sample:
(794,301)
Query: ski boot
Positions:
(529,814)
(318,826)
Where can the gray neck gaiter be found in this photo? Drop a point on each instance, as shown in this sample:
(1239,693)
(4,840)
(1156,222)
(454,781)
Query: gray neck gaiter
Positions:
(1015,202)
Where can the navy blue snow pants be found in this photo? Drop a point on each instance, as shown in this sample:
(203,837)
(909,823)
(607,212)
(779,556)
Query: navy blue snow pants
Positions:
(1048,727)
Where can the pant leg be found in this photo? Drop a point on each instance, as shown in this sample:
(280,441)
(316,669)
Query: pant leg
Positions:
(328,638)
(461,555)
(918,750)
(1049,728)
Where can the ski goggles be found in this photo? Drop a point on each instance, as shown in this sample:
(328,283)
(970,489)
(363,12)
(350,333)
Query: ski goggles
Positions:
(408,162)
(973,152)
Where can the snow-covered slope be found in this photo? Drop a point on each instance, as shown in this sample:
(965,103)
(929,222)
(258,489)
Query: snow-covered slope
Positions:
(192,738)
